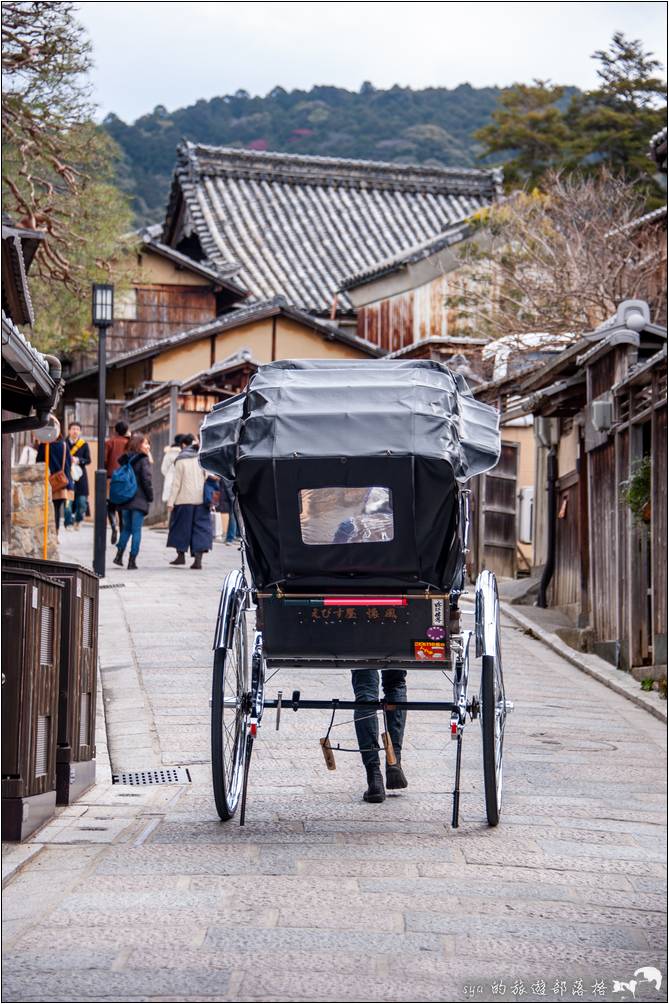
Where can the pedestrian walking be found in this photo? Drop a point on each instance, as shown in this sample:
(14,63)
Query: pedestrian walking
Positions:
(190,520)
(170,454)
(115,447)
(60,475)
(133,474)
(76,510)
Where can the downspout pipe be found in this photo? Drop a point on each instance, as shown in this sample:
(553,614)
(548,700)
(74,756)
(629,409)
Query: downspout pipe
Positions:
(551,490)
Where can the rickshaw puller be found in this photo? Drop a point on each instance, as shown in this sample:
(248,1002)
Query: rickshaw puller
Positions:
(366,688)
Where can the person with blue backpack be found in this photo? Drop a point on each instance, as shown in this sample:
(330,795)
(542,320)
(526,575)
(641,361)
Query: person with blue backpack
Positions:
(131,491)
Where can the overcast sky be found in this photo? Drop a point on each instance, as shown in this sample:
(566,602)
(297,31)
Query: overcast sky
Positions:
(174,53)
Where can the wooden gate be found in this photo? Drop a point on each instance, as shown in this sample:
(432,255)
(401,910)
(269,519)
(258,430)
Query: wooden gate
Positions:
(495,515)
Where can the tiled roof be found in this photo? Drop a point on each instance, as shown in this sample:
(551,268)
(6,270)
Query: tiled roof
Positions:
(296,226)
(19,245)
(24,359)
(409,256)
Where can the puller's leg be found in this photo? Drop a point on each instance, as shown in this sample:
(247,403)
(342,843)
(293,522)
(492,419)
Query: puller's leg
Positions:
(394,691)
(366,688)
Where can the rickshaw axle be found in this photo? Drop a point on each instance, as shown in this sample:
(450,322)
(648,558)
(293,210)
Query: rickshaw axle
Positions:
(322,705)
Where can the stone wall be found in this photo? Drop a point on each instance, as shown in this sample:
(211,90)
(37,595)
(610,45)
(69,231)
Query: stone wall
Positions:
(26,536)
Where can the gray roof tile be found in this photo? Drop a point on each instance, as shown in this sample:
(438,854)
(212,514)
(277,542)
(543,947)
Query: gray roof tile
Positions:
(296,226)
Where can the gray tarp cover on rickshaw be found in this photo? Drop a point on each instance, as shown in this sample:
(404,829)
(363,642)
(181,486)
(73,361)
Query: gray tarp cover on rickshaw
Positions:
(323,408)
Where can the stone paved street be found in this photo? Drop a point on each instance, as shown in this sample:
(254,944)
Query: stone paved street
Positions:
(142,894)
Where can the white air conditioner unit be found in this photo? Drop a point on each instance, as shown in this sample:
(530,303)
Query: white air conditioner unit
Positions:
(602,414)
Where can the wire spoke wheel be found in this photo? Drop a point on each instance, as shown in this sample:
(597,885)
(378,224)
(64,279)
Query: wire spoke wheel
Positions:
(230,708)
(493,699)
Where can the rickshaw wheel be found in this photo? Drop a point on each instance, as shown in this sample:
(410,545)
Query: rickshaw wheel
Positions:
(230,703)
(492,729)
(493,698)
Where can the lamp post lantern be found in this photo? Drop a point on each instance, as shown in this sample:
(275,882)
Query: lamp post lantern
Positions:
(103,318)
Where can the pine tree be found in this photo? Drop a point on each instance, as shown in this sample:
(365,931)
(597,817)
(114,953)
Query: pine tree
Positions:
(612,124)
(529,131)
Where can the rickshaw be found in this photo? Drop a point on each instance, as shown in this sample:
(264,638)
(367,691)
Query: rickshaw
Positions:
(349,481)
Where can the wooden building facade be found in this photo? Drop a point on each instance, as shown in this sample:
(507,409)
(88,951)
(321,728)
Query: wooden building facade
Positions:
(601,412)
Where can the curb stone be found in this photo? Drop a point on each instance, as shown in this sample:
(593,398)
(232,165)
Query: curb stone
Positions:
(616,680)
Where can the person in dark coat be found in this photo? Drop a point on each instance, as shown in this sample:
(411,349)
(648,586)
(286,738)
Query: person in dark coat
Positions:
(81,456)
(59,460)
(134,511)
(115,448)
(190,519)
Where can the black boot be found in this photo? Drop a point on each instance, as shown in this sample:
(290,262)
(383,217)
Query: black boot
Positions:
(395,776)
(180,558)
(132,563)
(375,790)
(118,560)
(114,534)
(198,561)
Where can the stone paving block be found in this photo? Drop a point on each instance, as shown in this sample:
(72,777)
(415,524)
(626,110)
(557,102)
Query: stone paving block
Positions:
(148,982)
(600,935)
(180,860)
(369,941)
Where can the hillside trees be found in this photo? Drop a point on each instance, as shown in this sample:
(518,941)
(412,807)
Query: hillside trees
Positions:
(58,166)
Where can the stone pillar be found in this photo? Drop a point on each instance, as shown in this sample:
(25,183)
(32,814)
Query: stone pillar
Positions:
(26,537)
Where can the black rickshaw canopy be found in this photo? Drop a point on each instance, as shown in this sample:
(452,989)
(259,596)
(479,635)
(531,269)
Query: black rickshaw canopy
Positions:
(348,472)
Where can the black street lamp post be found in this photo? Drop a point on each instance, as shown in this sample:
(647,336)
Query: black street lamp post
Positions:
(103,318)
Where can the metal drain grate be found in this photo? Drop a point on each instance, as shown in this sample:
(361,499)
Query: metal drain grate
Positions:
(163,775)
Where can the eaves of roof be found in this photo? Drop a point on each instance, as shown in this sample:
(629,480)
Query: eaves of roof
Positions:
(28,364)
(15,278)
(30,240)
(454,235)
(641,372)
(234,319)
(210,272)
(566,360)
(437,342)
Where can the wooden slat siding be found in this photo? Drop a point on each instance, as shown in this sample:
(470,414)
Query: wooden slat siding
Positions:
(622,549)
(17,647)
(45,692)
(566,582)
(497,514)
(659,522)
(603,375)
(604,584)
(161,311)
(87,672)
(583,533)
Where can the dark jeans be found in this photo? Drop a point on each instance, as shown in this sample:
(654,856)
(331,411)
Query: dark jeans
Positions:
(131,522)
(233,529)
(366,688)
(113,514)
(58,505)
(75,511)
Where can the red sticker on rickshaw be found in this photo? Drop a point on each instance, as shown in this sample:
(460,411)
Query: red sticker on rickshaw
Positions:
(429,651)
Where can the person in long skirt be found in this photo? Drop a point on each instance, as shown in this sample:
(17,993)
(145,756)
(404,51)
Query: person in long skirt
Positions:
(190,520)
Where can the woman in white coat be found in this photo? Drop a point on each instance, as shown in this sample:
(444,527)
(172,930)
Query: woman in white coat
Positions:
(167,467)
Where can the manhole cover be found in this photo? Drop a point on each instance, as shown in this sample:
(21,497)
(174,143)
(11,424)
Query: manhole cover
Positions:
(163,775)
